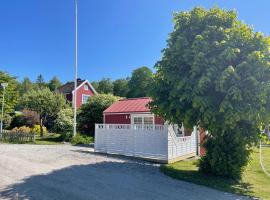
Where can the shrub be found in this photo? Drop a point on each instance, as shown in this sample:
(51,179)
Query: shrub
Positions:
(22,129)
(7,121)
(64,121)
(81,139)
(67,137)
(92,112)
(26,118)
(36,129)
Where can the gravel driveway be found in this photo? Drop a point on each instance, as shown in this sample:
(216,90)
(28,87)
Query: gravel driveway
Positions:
(68,172)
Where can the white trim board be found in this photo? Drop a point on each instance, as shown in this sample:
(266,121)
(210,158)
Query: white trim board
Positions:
(86,81)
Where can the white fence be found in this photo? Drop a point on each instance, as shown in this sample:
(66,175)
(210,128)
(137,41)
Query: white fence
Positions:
(145,141)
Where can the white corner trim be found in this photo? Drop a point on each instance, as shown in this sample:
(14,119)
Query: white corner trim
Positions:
(86,81)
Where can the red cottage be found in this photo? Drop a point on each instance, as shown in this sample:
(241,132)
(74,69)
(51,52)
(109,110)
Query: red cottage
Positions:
(129,128)
(131,111)
(84,91)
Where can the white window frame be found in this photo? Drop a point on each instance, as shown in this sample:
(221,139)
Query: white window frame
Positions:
(142,116)
(85,95)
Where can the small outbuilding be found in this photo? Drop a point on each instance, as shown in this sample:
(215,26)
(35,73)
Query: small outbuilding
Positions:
(129,128)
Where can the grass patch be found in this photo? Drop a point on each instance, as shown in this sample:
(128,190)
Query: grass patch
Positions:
(49,139)
(254,182)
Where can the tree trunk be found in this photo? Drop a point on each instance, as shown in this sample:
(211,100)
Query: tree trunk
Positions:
(41,127)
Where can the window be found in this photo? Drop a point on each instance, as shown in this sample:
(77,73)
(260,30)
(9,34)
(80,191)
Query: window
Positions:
(85,98)
(85,87)
(143,120)
(148,120)
(137,120)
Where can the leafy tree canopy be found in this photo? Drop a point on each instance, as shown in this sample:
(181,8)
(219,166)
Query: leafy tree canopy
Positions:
(105,86)
(215,73)
(64,121)
(92,112)
(46,103)
(120,87)
(11,92)
(54,83)
(40,83)
(26,85)
(140,82)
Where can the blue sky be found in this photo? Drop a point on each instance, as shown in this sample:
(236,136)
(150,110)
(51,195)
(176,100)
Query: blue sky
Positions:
(115,36)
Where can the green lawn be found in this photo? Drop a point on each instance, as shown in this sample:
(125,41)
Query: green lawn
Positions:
(254,182)
(49,139)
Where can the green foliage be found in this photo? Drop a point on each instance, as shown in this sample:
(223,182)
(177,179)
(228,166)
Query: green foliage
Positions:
(215,73)
(140,82)
(26,117)
(92,112)
(25,86)
(120,87)
(11,92)
(265,139)
(66,136)
(64,121)
(46,103)
(40,83)
(54,83)
(6,121)
(36,129)
(104,86)
(81,139)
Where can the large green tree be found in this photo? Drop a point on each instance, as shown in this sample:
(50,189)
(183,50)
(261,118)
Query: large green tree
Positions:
(40,82)
(105,86)
(11,92)
(120,87)
(215,73)
(54,83)
(26,85)
(140,82)
(46,103)
(92,112)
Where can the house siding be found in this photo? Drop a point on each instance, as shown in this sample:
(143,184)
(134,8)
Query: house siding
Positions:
(159,120)
(81,92)
(117,119)
(202,138)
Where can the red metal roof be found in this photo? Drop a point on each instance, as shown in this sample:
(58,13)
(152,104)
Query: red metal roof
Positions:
(129,105)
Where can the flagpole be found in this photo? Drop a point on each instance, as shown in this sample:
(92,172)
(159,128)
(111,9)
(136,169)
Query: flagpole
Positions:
(76,70)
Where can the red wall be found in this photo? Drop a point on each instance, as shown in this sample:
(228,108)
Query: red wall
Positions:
(202,137)
(117,119)
(159,121)
(125,119)
(80,92)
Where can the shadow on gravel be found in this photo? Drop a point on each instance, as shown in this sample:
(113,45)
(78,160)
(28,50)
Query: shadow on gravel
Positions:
(108,180)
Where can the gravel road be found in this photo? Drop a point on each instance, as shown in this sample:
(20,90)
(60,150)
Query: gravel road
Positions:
(68,172)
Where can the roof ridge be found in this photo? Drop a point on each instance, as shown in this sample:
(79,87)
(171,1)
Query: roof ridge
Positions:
(135,98)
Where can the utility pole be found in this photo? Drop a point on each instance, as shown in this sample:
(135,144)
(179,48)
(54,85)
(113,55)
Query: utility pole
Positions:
(4,85)
(76,70)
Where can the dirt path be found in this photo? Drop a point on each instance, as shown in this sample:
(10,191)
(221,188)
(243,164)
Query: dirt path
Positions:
(67,172)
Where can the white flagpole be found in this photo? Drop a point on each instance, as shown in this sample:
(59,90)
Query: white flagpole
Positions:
(76,70)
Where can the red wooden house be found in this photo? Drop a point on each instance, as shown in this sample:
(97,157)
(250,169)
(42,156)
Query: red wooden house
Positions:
(84,91)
